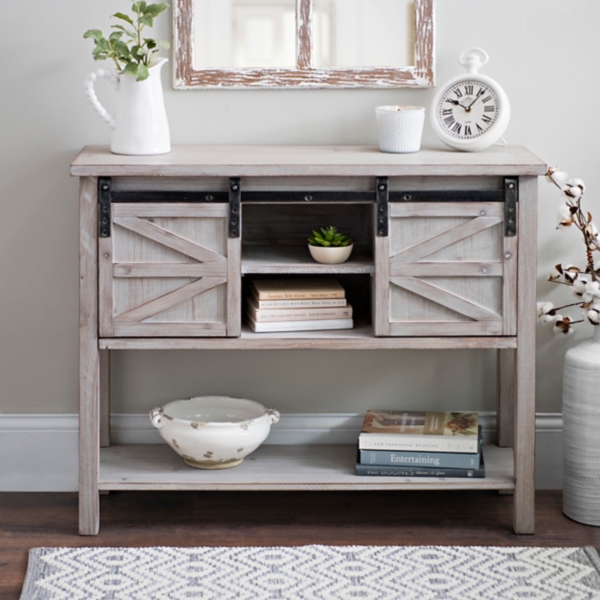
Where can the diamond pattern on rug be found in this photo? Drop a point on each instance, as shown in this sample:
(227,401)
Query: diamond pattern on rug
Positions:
(313,573)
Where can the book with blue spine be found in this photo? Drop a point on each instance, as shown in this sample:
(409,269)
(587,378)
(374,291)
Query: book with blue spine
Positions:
(444,460)
(385,471)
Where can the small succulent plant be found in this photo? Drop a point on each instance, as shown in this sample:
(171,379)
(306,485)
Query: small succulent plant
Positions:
(329,237)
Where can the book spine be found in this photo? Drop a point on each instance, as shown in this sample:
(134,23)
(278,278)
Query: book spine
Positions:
(417,443)
(295,314)
(443,460)
(381,471)
(301,325)
(301,295)
(334,302)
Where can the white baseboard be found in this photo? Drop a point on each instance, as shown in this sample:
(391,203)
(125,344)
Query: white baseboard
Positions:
(39,452)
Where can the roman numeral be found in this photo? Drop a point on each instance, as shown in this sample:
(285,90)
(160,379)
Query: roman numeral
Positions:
(457,127)
(449,120)
(486,119)
(447,111)
(458,93)
(489,108)
(486,99)
(479,128)
(469,90)
(467,130)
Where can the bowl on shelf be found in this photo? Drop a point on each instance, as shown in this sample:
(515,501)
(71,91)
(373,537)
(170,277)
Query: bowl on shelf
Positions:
(213,432)
(334,255)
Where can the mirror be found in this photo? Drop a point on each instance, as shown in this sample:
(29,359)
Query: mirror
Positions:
(303,43)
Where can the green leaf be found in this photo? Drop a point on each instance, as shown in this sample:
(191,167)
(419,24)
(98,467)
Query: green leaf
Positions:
(124,17)
(99,54)
(94,33)
(138,7)
(146,20)
(131,68)
(115,36)
(150,43)
(155,9)
(164,44)
(103,44)
(122,50)
(143,72)
(128,33)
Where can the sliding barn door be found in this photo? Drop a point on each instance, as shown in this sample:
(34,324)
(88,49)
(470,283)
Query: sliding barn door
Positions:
(169,270)
(451,271)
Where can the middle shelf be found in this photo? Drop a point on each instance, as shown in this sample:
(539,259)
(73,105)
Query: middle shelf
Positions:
(297,260)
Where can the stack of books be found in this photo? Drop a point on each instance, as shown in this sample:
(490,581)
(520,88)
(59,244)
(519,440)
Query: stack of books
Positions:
(297,305)
(420,444)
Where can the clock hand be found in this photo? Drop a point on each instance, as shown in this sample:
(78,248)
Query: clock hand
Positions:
(479,93)
(456,103)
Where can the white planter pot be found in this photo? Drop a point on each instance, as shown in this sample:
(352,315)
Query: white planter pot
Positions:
(400,128)
(140,124)
(581,431)
(332,255)
(213,432)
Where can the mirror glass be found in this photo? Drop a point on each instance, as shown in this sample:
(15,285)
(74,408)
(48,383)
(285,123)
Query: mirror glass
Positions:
(363,33)
(237,34)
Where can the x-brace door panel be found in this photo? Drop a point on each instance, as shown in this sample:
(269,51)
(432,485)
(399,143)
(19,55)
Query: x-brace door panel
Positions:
(452,270)
(165,272)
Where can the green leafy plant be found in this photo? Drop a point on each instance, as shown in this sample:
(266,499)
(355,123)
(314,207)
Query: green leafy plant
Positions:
(329,237)
(126,47)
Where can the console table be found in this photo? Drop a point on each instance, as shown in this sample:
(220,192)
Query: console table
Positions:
(445,258)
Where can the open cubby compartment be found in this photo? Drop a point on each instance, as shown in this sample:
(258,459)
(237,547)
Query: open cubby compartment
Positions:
(358,292)
(274,237)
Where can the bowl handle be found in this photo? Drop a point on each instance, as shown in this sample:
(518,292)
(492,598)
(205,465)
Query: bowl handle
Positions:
(274,415)
(156,417)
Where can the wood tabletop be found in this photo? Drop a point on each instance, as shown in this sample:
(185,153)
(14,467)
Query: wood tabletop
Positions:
(302,161)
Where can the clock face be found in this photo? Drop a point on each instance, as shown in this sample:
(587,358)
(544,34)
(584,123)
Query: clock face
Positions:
(467,109)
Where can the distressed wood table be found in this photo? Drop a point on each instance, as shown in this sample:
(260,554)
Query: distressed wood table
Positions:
(445,256)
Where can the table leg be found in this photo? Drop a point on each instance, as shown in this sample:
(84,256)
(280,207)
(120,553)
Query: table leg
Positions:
(89,360)
(524,426)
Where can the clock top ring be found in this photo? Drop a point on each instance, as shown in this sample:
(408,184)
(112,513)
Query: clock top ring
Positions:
(471,111)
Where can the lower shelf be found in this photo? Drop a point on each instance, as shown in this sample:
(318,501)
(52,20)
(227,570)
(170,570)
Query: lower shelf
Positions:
(285,467)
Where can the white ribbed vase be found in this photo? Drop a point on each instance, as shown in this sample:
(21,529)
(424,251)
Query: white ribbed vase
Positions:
(581,431)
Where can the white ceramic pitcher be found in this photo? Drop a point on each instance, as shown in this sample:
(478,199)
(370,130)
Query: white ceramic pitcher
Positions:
(140,125)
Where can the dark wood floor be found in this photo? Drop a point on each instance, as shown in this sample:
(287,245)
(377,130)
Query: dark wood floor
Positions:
(275,518)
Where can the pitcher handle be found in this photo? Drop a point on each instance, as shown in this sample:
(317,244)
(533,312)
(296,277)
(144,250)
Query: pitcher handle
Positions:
(91,94)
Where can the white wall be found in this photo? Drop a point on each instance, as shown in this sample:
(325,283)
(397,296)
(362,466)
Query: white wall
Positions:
(544,52)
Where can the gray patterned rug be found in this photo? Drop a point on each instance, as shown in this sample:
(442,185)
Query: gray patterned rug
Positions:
(315,572)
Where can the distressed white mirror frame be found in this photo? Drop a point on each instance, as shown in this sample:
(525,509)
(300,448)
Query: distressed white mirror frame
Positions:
(304,75)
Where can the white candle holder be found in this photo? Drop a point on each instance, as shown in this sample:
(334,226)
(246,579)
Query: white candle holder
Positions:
(400,128)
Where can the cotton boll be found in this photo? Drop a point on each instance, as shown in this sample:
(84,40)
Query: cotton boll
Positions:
(565,216)
(562,325)
(580,286)
(577,183)
(544,308)
(547,318)
(592,315)
(558,177)
(573,191)
(571,273)
(593,288)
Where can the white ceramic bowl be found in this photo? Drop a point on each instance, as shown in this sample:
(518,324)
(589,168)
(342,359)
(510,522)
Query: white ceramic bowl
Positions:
(213,432)
(333,255)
